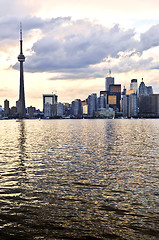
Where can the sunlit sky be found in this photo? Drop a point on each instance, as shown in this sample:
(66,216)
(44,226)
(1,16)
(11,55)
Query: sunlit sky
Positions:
(70,45)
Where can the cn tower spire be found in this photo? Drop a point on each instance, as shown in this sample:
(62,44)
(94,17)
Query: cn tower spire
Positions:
(20,31)
(21,40)
(21,59)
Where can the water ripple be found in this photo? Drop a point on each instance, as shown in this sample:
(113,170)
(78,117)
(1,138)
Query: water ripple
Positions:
(79,179)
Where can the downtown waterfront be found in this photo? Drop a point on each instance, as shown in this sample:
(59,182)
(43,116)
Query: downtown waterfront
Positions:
(79,179)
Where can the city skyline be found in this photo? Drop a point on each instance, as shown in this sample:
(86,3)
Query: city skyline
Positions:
(70,51)
(113,102)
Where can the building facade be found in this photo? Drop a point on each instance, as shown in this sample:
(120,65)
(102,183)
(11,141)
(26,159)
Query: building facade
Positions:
(145,90)
(114,96)
(60,109)
(1,111)
(102,101)
(105,113)
(134,85)
(133,105)
(31,112)
(149,105)
(49,100)
(6,108)
(129,103)
(67,109)
(108,81)
(92,104)
(76,108)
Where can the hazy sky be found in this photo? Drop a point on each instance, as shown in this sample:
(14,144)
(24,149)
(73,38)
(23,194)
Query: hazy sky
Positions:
(70,45)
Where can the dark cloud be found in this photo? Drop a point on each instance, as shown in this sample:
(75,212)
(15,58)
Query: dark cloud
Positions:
(78,45)
(75,48)
(10,26)
(149,39)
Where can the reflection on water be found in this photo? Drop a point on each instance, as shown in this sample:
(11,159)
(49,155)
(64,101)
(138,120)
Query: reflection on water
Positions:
(79,179)
(21,140)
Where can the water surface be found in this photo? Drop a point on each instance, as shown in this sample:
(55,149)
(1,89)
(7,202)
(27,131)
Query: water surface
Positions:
(79,179)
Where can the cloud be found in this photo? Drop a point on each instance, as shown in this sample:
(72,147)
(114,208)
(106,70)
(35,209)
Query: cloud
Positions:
(77,44)
(127,64)
(149,39)
(7,92)
(76,48)
(9,28)
(10,25)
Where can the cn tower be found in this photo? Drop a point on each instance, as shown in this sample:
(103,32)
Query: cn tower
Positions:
(21,102)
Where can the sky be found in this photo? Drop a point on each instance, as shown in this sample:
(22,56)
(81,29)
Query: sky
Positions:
(70,45)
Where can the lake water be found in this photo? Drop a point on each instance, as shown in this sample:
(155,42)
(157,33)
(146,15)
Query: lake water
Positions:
(79,179)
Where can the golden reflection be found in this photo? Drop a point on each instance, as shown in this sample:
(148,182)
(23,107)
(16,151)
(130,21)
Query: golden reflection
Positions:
(21,140)
(22,148)
(109,135)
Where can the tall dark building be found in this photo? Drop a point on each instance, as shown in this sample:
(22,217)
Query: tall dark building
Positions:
(21,102)
(6,108)
(92,104)
(114,96)
(149,105)
(76,109)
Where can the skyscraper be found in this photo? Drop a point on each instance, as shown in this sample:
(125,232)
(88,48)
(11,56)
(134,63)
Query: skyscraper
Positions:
(102,101)
(76,109)
(114,96)
(92,104)
(130,100)
(49,104)
(6,108)
(108,81)
(21,102)
(145,90)
(149,105)
(60,109)
(134,85)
